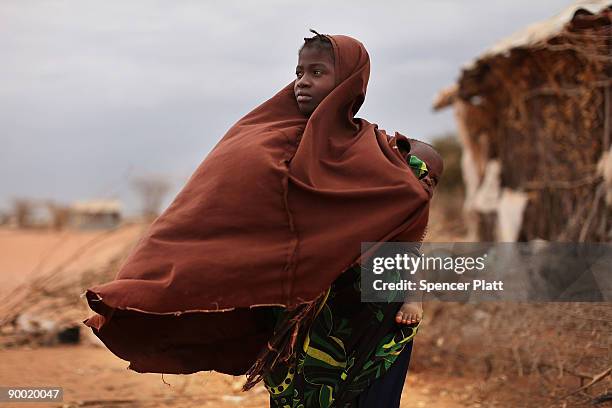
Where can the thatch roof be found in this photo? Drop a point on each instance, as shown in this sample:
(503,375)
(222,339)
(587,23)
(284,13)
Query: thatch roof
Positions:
(534,35)
(97,206)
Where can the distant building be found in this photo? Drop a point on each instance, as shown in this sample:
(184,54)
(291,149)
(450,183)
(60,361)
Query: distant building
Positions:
(40,215)
(30,213)
(534,117)
(95,214)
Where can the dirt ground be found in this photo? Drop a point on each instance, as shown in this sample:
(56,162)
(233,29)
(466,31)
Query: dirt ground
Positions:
(92,376)
(27,254)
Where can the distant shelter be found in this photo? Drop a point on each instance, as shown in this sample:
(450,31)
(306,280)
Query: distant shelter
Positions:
(534,117)
(95,214)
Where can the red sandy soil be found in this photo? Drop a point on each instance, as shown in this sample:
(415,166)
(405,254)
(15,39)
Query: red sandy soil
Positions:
(92,376)
(26,254)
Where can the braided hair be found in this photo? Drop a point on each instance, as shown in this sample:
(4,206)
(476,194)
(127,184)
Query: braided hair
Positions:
(319,42)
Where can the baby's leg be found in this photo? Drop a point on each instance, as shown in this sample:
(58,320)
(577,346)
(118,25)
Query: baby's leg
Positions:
(409,312)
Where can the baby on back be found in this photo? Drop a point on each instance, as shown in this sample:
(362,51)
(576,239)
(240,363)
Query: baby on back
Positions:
(427,165)
(425,162)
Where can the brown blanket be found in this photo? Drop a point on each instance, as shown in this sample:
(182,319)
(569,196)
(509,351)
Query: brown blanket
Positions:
(272,216)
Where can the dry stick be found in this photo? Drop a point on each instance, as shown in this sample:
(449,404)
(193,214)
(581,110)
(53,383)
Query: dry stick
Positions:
(569,314)
(20,296)
(83,248)
(580,46)
(26,291)
(574,221)
(592,34)
(568,90)
(607,114)
(562,184)
(560,366)
(567,370)
(585,228)
(33,298)
(606,146)
(76,254)
(597,378)
(517,358)
(578,49)
(45,257)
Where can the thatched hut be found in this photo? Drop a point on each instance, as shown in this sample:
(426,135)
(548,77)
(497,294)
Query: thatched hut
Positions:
(534,118)
(96,214)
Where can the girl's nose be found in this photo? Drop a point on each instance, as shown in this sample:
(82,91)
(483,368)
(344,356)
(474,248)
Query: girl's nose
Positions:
(303,82)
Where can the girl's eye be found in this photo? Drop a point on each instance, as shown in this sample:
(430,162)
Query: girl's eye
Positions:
(317,72)
(298,74)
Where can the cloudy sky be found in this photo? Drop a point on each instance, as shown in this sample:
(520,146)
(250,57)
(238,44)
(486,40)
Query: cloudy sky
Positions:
(93,93)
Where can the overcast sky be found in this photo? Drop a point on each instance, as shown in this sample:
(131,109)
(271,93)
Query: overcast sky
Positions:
(94,92)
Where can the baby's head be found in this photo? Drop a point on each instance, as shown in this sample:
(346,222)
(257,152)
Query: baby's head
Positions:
(433,160)
(315,71)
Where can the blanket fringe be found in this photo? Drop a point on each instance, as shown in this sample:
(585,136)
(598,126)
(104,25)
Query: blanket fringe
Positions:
(282,344)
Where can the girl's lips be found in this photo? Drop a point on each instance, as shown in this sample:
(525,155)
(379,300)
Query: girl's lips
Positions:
(303,98)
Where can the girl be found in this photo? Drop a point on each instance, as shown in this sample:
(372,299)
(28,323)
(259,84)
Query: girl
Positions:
(269,221)
(347,356)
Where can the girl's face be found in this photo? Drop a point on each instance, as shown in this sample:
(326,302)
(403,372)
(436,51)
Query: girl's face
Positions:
(315,78)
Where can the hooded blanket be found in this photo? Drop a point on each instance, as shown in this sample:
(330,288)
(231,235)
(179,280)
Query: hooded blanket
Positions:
(272,216)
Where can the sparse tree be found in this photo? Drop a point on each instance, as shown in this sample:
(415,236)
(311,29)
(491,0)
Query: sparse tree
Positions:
(152,189)
(22,211)
(60,215)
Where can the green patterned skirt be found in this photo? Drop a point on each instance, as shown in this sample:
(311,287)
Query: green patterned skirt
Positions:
(348,346)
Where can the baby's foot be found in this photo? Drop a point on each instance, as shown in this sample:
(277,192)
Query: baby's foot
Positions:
(410,312)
